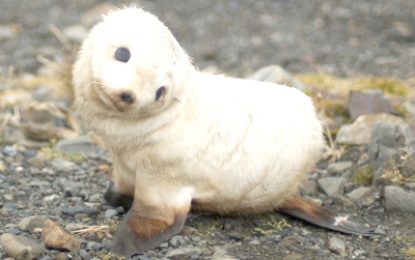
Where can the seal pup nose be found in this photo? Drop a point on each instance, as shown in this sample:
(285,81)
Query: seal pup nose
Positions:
(127,97)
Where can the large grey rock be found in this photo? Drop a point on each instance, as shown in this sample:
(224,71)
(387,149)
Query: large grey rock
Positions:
(21,248)
(360,193)
(78,145)
(396,198)
(409,106)
(276,74)
(360,131)
(331,185)
(339,167)
(369,101)
(392,152)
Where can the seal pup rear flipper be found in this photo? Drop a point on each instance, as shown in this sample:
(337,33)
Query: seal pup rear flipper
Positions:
(312,213)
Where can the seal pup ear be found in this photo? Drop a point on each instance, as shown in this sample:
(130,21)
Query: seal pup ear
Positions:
(306,210)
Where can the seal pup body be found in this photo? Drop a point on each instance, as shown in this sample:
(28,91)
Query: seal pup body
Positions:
(182,139)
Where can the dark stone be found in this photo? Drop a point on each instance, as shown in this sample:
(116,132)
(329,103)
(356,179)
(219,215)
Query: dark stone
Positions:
(370,101)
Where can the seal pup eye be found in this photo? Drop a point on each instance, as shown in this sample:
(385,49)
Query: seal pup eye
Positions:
(122,54)
(160,92)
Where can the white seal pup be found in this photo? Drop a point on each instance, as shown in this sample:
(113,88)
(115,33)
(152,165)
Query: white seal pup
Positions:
(182,139)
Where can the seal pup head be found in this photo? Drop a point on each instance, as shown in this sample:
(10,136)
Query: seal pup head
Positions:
(130,66)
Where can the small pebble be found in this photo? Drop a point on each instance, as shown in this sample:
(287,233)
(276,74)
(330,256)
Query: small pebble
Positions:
(109,213)
(336,245)
(10,151)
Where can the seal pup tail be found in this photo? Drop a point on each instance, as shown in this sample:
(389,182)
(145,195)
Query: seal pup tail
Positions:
(312,213)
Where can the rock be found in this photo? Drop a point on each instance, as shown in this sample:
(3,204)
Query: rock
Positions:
(339,167)
(79,209)
(36,183)
(396,198)
(31,223)
(177,241)
(7,32)
(360,193)
(369,101)
(2,166)
(183,253)
(237,236)
(20,247)
(276,74)
(336,245)
(81,144)
(309,187)
(44,121)
(10,151)
(331,185)
(70,186)
(62,165)
(409,106)
(109,213)
(76,33)
(360,131)
(51,198)
(254,242)
(56,237)
(392,152)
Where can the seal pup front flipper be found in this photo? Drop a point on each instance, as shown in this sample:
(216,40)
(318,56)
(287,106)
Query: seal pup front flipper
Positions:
(157,214)
(312,213)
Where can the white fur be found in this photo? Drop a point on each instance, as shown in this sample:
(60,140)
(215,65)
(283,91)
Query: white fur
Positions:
(233,145)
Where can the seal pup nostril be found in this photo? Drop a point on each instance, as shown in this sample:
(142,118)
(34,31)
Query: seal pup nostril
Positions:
(160,92)
(127,97)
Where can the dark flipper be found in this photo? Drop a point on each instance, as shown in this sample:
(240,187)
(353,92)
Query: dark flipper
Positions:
(136,234)
(117,199)
(319,216)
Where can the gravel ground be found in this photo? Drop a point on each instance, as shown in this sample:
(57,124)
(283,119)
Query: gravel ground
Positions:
(239,37)
(346,38)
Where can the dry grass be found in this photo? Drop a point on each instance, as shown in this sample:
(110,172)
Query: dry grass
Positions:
(99,230)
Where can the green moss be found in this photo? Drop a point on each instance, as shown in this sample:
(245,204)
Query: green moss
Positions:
(402,111)
(342,86)
(49,153)
(207,227)
(272,224)
(363,175)
(388,85)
